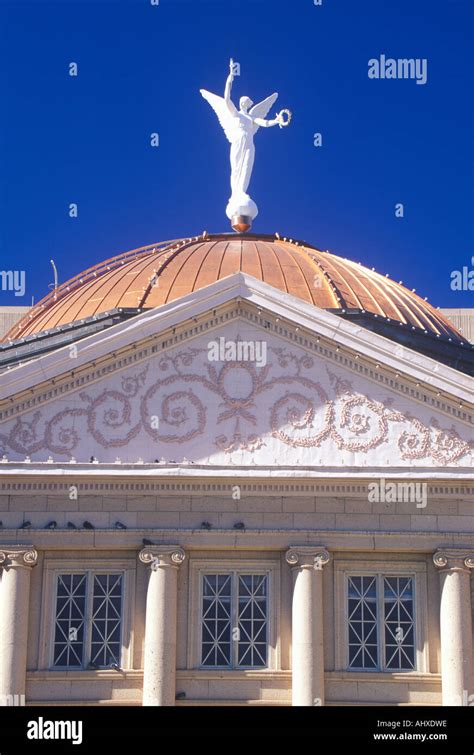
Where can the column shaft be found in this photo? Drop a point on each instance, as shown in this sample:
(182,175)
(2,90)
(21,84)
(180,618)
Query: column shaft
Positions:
(307,625)
(14,614)
(455,626)
(159,677)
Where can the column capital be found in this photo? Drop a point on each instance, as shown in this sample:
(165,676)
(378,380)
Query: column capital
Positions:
(454,559)
(307,556)
(12,556)
(162,555)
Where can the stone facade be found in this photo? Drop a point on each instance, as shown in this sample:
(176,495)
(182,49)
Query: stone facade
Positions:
(275,485)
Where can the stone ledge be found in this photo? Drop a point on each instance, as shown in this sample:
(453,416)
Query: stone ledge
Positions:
(408,677)
(232,703)
(274,539)
(83,703)
(48,675)
(234,675)
(217,703)
(381,704)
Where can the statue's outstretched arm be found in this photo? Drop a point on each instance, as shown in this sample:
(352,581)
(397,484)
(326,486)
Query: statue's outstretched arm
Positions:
(228,84)
(266,124)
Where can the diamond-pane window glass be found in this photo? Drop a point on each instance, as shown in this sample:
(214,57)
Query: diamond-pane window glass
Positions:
(234,621)
(106,619)
(252,621)
(399,623)
(216,620)
(69,624)
(362,617)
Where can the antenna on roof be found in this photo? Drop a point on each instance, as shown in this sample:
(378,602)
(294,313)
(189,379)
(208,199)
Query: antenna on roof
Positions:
(55,272)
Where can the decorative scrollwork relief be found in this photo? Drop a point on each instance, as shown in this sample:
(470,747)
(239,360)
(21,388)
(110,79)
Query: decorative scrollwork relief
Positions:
(235,406)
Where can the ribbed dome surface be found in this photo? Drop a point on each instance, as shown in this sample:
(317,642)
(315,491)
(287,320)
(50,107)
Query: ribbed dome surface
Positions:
(154,275)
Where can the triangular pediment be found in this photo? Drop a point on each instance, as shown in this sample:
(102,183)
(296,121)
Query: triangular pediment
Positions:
(238,374)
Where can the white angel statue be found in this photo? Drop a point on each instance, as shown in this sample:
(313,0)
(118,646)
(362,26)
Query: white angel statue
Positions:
(239,127)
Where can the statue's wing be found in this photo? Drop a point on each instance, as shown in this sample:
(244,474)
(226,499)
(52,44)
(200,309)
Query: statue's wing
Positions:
(261,109)
(221,109)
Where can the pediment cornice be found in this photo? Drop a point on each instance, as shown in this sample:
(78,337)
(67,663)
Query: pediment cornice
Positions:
(319,332)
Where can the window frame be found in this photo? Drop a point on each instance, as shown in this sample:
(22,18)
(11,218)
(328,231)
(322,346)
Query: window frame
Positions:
(381,569)
(53,569)
(199,568)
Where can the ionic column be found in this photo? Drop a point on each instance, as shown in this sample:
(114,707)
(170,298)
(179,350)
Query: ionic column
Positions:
(16,563)
(307,624)
(455,624)
(159,678)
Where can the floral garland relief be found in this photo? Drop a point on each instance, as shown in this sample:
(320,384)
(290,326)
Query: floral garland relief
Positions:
(302,414)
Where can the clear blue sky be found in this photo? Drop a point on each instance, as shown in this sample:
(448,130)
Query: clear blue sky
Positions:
(140,67)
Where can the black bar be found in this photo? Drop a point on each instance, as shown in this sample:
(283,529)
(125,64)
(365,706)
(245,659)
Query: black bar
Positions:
(346,727)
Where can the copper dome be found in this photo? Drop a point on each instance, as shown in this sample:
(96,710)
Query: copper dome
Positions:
(153,275)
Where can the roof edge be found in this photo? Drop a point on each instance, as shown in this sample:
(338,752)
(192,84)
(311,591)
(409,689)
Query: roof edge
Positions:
(240,286)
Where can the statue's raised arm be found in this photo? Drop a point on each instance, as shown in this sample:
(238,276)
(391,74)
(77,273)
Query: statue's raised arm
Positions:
(239,127)
(223,107)
(228,89)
